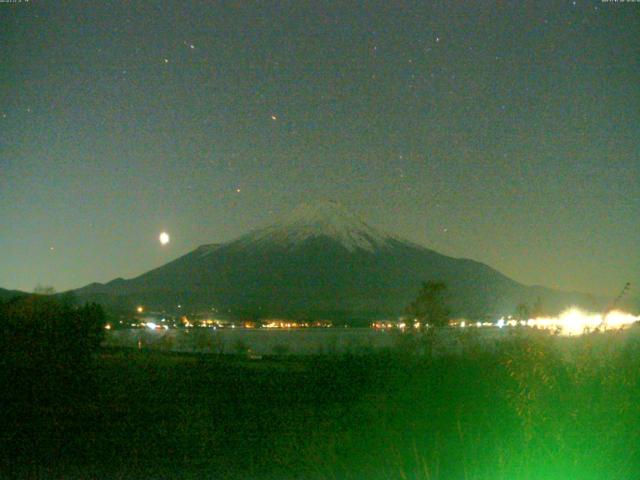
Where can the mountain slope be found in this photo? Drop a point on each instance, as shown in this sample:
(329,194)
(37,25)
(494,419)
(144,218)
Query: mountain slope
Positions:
(320,261)
(9,294)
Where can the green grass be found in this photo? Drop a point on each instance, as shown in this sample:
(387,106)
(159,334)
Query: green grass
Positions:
(534,409)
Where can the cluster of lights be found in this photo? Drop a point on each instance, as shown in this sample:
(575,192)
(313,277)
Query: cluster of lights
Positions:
(388,325)
(289,324)
(207,323)
(576,322)
(154,326)
(464,324)
(384,325)
(570,322)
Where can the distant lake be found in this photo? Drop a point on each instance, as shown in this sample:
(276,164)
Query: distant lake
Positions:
(325,341)
(303,341)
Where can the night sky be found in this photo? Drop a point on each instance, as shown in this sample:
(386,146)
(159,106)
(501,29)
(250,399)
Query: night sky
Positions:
(505,132)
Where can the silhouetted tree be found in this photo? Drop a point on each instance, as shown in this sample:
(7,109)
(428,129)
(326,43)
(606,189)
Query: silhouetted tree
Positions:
(430,305)
(44,290)
(523,312)
(48,379)
(48,342)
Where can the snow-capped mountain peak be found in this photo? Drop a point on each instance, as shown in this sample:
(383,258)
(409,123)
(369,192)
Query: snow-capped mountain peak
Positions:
(324,219)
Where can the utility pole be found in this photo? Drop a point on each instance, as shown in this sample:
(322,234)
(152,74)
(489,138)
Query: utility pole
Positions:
(614,304)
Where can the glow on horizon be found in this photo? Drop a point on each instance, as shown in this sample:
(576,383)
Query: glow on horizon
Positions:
(576,322)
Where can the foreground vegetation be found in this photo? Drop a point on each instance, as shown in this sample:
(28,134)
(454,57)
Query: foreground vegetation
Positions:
(532,409)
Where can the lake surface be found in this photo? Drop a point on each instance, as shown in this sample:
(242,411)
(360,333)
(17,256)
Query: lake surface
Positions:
(341,341)
(311,341)
(258,341)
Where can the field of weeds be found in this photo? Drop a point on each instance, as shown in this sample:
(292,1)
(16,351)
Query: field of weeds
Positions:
(536,407)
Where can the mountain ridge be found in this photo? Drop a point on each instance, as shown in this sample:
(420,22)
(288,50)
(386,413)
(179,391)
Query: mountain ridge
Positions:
(9,294)
(322,261)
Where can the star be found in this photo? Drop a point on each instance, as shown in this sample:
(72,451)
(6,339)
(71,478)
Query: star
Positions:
(166,60)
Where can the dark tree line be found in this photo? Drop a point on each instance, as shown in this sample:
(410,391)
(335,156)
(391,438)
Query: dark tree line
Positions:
(48,341)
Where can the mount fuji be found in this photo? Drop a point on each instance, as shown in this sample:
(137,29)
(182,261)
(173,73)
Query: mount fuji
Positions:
(321,262)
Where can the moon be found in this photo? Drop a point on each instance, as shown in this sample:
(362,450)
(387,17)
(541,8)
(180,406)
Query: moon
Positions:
(164,238)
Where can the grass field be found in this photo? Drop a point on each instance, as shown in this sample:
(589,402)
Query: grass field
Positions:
(532,409)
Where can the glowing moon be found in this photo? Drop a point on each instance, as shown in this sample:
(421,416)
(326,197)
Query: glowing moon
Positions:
(164,238)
